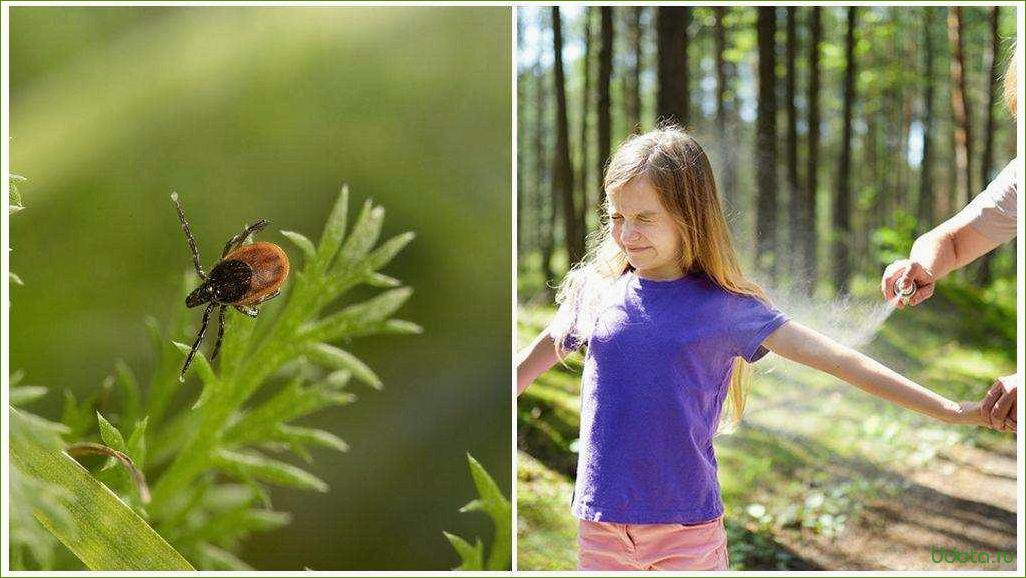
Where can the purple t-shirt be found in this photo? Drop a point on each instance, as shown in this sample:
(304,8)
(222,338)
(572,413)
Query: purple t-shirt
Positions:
(657,370)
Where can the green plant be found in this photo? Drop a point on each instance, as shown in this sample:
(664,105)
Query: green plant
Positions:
(490,501)
(210,462)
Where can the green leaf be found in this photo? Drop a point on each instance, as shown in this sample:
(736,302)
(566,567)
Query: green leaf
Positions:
(383,281)
(343,277)
(13,195)
(365,234)
(129,386)
(492,502)
(311,437)
(356,317)
(206,373)
(219,559)
(15,279)
(26,394)
(137,443)
(336,358)
(472,557)
(334,230)
(247,466)
(111,436)
(300,241)
(292,402)
(107,534)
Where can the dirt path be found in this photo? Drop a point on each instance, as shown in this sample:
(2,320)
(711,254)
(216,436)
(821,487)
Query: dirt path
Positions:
(966,501)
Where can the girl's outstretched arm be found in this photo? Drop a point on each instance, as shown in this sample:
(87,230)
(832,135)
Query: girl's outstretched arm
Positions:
(535,359)
(799,343)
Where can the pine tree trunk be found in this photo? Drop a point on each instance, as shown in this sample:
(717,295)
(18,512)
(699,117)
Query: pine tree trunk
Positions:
(842,201)
(726,154)
(604,78)
(672,72)
(522,242)
(583,192)
(632,96)
(563,180)
(545,208)
(984,274)
(766,146)
(960,106)
(926,201)
(809,241)
(794,193)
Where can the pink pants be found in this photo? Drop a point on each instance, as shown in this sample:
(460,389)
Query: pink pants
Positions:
(608,546)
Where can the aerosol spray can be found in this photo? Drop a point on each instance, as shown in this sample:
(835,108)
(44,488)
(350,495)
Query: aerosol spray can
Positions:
(906,291)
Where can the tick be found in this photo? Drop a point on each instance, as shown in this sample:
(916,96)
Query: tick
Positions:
(245,276)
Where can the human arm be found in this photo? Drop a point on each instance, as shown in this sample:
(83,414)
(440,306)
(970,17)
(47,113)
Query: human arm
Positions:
(951,245)
(535,359)
(803,345)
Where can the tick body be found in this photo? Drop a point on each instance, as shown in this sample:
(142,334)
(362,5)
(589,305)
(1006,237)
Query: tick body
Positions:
(245,276)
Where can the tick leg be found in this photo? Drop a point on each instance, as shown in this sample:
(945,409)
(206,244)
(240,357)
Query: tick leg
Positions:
(220,332)
(199,340)
(241,237)
(188,237)
(246,310)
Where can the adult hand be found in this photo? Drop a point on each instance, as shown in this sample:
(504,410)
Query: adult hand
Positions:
(998,408)
(900,274)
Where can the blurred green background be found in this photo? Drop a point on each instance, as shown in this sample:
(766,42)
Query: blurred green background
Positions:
(262,113)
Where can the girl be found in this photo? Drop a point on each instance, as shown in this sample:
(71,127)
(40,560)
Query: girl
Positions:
(671,324)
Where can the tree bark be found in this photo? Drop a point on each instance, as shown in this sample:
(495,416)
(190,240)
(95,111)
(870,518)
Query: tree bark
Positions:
(671,36)
(795,199)
(604,78)
(926,201)
(960,106)
(842,201)
(585,109)
(809,242)
(766,146)
(632,96)
(984,274)
(726,154)
(563,180)
(545,199)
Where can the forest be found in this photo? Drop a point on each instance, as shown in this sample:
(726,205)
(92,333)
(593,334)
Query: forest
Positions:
(837,135)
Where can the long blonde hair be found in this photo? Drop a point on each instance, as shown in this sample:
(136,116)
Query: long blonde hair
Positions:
(1011,79)
(675,165)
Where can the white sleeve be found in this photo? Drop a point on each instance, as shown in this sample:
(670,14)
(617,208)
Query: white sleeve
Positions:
(993,212)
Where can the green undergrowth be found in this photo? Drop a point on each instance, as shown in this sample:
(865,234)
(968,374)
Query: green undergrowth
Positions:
(492,503)
(193,464)
(811,452)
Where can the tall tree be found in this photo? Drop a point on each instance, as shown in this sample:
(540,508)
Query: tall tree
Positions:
(522,243)
(605,75)
(725,155)
(842,200)
(585,109)
(926,201)
(632,96)
(960,105)
(809,243)
(672,63)
(545,199)
(563,179)
(984,274)
(766,145)
(794,194)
